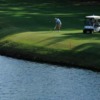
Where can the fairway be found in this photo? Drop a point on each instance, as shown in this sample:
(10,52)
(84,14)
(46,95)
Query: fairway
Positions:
(27,31)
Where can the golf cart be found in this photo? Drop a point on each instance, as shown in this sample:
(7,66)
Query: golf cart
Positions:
(91,24)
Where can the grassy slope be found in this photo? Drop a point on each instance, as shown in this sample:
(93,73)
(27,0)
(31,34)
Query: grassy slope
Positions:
(27,31)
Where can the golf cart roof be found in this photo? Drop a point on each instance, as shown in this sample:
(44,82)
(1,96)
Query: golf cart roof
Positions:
(93,16)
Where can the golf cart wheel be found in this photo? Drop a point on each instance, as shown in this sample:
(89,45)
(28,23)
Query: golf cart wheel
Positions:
(87,31)
(91,31)
(84,31)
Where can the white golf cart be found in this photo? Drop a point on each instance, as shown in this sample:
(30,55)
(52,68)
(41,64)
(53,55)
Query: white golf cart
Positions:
(91,24)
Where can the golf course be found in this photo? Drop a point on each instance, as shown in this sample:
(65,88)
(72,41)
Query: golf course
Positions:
(27,32)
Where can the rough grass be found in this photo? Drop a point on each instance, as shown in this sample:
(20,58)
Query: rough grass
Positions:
(27,32)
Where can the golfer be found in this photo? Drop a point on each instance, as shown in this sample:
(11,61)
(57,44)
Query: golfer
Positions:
(58,24)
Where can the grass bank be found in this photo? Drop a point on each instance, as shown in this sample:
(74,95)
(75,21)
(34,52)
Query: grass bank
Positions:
(27,32)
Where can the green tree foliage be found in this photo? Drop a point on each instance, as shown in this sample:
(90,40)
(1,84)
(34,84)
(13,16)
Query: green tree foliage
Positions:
(45,1)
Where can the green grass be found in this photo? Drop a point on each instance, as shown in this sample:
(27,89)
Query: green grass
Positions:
(26,31)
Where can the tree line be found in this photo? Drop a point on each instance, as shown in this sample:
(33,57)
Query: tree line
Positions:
(45,1)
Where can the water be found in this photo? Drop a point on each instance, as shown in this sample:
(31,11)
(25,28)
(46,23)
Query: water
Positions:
(24,80)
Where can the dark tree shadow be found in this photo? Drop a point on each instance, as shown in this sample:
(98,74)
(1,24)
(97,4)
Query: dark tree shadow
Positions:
(88,47)
(89,52)
(81,36)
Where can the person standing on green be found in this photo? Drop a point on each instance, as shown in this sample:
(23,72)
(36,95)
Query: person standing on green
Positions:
(58,24)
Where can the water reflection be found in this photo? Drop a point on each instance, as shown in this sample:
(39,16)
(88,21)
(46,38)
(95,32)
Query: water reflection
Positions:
(24,80)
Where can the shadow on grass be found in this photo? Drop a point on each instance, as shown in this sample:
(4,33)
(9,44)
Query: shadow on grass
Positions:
(80,35)
(88,54)
(10,31)
(90,48)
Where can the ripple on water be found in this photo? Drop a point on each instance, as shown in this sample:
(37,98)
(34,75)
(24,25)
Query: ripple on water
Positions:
(24,80)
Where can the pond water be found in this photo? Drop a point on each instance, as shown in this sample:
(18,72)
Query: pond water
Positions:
(24,80)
